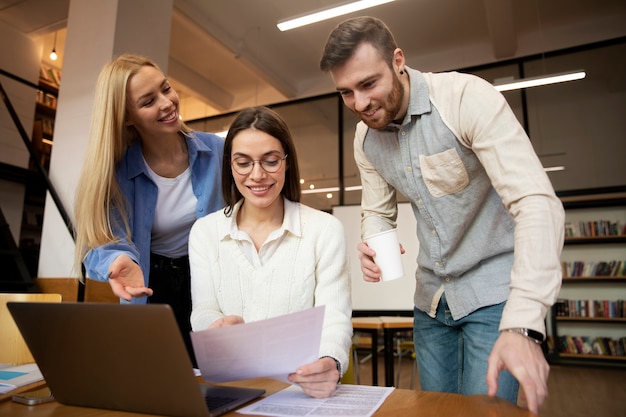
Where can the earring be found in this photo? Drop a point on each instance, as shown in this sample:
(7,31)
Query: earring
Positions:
(401,72)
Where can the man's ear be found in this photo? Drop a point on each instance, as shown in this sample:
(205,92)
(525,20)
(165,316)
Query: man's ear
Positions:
(398,59)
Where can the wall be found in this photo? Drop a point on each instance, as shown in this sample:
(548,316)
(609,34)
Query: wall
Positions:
(142,27)
(20,57)
(392,295)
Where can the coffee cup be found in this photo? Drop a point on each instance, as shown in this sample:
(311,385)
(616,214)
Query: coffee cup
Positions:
(388,255)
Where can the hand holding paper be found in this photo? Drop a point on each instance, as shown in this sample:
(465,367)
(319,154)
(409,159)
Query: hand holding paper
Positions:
(271,348)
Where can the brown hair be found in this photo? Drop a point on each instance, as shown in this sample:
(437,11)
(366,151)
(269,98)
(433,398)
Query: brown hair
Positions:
(348,35)
(265,120)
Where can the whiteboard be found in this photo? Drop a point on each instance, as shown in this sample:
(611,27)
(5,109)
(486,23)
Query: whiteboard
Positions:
(392,295)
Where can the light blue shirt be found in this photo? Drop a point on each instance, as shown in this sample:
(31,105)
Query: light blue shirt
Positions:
(205,160)
(489,225)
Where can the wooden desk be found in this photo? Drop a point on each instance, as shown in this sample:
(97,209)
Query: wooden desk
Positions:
(391,326)
(401,402)
(370,325)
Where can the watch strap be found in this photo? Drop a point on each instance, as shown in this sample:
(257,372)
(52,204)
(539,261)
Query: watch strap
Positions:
(533,335)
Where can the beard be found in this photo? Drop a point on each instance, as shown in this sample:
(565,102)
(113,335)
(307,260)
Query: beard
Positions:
(389,109)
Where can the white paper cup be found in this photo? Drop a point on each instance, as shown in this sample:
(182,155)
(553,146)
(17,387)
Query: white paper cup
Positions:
(388,256)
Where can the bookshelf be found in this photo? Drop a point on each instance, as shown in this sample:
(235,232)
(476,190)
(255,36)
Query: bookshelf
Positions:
(588,321)
(42,140)
(45,113)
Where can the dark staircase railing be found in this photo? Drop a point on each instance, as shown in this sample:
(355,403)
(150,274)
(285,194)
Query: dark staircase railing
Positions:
(15,276)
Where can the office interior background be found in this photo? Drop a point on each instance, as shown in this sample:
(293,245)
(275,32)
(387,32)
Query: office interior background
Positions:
(223,56)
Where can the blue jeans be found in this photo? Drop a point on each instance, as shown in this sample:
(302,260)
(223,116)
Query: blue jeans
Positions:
(452,354)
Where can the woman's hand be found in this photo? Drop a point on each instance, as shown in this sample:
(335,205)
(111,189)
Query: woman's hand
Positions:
(318,379)
(126,279)
(226,321)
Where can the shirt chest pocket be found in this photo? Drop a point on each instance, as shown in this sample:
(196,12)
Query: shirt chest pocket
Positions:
(444,173)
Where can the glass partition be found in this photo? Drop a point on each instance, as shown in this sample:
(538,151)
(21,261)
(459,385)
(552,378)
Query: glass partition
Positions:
(576,125)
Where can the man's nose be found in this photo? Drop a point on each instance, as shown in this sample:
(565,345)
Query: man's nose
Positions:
(361,101)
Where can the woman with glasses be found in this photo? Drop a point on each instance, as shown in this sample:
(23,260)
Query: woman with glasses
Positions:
(266,254)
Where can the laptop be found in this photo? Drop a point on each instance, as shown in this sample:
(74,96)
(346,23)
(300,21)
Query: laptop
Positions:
(123,357)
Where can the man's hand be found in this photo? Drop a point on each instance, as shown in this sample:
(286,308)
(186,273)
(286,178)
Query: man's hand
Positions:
(371,271)
(318,379)
(126,279)
(524,359)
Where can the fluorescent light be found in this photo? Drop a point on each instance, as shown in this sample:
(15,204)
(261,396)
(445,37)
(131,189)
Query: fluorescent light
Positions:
(324,14)
(320,190)
(331,189)
(354,188)
(555,168)
(542,80)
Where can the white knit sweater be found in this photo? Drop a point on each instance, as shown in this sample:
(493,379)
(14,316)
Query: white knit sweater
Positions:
(309,268)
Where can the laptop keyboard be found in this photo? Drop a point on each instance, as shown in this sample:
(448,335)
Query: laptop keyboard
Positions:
(214,402)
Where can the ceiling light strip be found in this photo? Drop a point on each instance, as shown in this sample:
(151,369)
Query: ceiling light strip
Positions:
(320,190)
(542,80)
(331,189)
(320,15)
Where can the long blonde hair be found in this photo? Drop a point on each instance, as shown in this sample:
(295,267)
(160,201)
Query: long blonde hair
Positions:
(98,192)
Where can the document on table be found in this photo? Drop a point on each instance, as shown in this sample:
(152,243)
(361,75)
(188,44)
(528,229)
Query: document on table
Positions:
(17,376)
(271,348)
(348,400)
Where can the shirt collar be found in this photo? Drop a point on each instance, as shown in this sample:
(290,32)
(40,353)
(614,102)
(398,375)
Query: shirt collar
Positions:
(136,164)
(419,100)
(419,95)
(291,220)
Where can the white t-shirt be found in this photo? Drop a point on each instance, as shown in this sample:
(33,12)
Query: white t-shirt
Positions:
(174,215)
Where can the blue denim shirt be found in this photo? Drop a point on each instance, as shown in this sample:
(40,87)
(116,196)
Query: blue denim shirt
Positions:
(489,225)
(205,160)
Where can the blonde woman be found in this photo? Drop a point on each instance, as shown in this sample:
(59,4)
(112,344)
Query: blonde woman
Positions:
(147,177)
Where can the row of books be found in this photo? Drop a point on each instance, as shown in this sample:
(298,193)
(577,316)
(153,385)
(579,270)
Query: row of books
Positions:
(50,74)
(596,228)
(46,99)
(47,126)
(594,269)
(584,345)
(590,308)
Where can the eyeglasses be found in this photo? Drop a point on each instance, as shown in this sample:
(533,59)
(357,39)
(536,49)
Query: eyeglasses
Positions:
(244,166)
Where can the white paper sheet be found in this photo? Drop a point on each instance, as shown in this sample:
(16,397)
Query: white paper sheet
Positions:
(18,376)
(271,348)
(348,400)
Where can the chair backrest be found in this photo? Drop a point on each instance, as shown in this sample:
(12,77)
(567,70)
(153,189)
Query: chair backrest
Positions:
(13,349)
(351,375)
(67,287)
(95,291)
(99,292)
